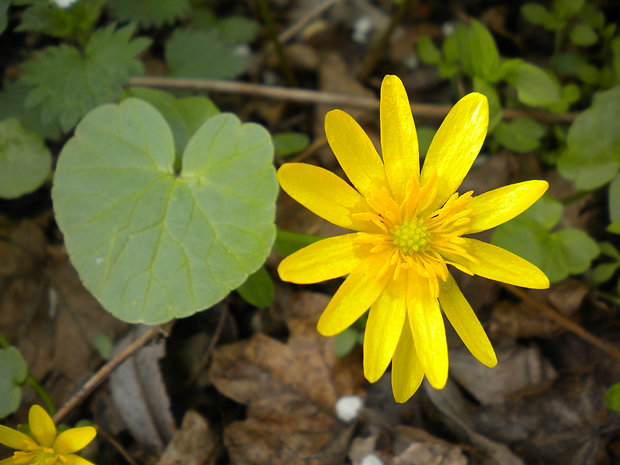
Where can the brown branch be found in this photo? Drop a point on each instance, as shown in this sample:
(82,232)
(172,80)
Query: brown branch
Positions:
(317,97)
(102,374)
(565,322)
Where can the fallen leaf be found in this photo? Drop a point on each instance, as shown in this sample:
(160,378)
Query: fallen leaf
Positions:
(192,444)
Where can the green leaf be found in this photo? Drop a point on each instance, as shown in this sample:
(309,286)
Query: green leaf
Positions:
(12,105)
(535,13)
(592,157)
(237,29)
(151,243)
(218,60)
(557,254)
(478,52)
(495,109)
(14,371)
(25,161)
(614,199)
(68,83)
(288,242)
(583,35)
(534,86)
(607,248)
(425,137)
(76,21)
(566,9)
(592,16)
(520,135)
(104,345)
(614,227)
(148,12)
(603,272)
(345,342)
(612,397)
(258,289)
(428,51)
(290,143)
(568,63)
(4,7)
(183,115)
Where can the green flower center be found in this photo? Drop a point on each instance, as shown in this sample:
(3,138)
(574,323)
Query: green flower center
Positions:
(412,236)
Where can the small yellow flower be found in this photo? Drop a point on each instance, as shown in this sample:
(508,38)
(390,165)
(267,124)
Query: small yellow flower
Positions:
(45,446)
(410,227)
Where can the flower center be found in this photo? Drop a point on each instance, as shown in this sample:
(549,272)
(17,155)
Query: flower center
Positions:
(412,236)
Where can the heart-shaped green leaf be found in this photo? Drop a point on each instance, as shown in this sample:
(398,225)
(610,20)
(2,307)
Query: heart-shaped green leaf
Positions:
(14,371)
(152,243)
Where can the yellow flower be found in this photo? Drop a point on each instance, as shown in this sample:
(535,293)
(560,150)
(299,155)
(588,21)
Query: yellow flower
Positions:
(409,228)
(45,446)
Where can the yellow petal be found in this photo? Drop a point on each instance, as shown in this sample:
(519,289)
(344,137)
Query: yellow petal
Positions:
(465,322)
(500,205)
(499,264)
(355,152)
(41,425)
(356,294)
(383,330)
(428,332)
(399,141)
(326,259)
(456,145)
(324,193)
(8,461)
(74,439)
(407,373)
(73,459)
(16,439)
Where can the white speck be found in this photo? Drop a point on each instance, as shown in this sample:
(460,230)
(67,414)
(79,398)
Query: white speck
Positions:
(371,459)
(347,407)
(411,61)
(63,3)
(99,261)
(242,50)
(447,28)
(361,29)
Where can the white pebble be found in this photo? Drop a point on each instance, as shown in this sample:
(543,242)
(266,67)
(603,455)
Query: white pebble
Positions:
(347,407)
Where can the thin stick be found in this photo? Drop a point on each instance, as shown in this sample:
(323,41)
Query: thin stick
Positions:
(293,30)
(103,372)
(378,51)
(566,323)
(317,97)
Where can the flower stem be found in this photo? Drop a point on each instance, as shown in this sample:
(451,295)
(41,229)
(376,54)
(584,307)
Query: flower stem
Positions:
(273,34)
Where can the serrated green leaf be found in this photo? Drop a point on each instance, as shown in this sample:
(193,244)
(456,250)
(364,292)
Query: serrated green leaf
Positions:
(258,289)
(592,157)
(520,135)
(238,29)
(14,371)
(612,397)
(614,199)
(581,34)
(12,105)
(288,242)
(148,12)
(603,272)
(25,161)
(534,86)
(428,51)
(184,115)
(67,83)
(290,143)
(218,60)
(345,342)
(477,51)
(152,244)
(76,21)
